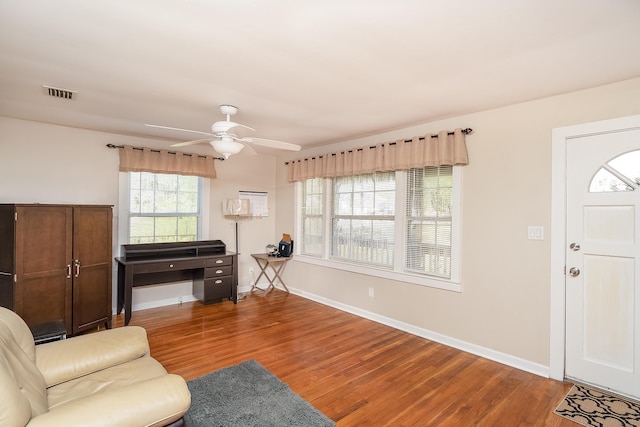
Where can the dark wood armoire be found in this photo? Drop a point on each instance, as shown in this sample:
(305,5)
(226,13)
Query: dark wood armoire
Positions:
(56,263)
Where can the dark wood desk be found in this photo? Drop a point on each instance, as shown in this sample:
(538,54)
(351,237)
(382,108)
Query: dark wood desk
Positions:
(214,271)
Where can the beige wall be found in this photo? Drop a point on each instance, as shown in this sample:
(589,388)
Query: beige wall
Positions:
(504,305)
(56,164)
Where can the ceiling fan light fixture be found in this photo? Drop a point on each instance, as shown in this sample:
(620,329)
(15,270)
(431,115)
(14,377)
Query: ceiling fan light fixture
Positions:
(226,146)
(227,143)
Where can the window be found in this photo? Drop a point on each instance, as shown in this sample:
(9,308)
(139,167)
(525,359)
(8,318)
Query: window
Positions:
(364,217)
(402,225)
(429,192)
(312,220)
(163,207)
(620,174)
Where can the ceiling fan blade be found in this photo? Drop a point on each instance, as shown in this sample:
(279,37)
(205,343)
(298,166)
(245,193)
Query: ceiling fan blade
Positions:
(197,141)
(249,150)
(272,143)
(179,129)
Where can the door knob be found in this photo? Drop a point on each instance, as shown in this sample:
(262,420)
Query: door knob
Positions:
(574,247)
(574,271)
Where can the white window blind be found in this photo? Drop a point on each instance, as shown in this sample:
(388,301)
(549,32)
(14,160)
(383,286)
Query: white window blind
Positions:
(429,220)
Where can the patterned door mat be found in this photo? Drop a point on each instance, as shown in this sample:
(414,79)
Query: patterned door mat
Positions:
(590,407)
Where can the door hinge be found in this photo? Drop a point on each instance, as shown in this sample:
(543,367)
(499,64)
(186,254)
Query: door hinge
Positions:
(15,215)
(564,270)
(15,278)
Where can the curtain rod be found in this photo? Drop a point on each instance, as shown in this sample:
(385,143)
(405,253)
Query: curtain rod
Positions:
(170,152)
(465,131)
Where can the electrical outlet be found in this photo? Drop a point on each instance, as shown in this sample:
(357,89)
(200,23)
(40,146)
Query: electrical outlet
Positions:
(371,292)
(179,300)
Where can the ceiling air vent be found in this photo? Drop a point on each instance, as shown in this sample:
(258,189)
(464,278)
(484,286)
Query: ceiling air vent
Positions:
(57,92)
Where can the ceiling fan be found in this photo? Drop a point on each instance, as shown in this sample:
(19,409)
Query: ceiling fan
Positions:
(227,143)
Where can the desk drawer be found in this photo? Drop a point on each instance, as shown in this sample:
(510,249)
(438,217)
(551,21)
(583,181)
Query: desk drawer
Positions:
(217,262)
(217,289)
(226,270)
(154,267)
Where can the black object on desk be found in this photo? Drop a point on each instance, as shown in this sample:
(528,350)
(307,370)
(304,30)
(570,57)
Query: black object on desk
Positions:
(285,249)
(214,271)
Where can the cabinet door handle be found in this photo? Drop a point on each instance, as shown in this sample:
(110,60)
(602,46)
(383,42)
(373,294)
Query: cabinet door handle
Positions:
(217,282)
(219,271)
(77,264)
(68,271)
(219,261)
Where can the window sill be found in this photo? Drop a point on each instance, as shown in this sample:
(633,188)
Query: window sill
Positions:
(415,279)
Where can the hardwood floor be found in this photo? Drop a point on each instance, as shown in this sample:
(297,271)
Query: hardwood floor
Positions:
(357,372)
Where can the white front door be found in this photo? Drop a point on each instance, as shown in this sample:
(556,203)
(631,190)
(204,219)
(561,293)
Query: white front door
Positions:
(603,261)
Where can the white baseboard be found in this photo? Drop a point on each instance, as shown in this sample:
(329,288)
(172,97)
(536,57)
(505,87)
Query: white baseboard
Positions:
(163,302)
(261,285)
(175,300)
(487,353)
(242,289)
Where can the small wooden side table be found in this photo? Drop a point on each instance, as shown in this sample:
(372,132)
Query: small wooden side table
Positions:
(277,265)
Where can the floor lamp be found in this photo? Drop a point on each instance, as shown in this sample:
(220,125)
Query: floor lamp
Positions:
(236,208)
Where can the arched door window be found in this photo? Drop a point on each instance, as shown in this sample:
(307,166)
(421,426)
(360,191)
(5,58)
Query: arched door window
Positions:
(619,174)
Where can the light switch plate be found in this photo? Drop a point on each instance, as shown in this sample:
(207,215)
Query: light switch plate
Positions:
(536,232)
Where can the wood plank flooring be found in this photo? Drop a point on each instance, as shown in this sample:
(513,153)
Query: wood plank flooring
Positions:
(357,372)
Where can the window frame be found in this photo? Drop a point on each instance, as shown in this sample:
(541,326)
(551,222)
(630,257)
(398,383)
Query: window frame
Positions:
(398,271)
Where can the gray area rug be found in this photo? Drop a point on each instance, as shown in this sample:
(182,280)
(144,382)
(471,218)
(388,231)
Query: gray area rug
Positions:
(248,395)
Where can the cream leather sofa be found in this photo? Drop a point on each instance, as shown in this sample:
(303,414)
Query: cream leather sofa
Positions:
(102,379)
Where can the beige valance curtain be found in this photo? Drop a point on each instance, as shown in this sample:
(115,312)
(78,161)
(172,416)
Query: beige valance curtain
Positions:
(446,148)
(134,159)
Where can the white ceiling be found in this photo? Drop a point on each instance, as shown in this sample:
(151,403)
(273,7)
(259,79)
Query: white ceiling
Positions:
(302,71)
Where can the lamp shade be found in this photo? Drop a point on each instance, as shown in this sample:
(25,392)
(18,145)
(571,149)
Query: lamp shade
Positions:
(236,207)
